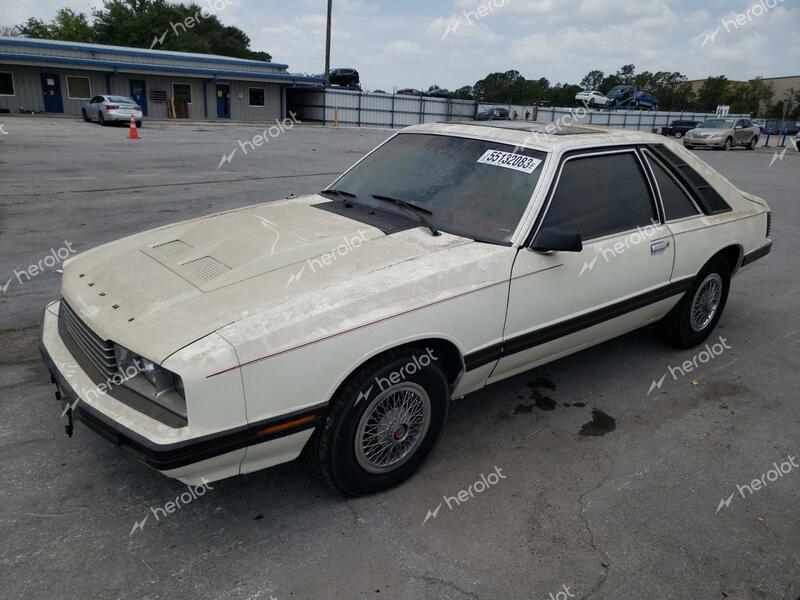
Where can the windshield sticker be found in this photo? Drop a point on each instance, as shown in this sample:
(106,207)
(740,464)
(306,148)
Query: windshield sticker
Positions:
(509,160)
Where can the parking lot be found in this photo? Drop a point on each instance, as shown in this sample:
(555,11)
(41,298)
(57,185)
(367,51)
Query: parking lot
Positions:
(614,485)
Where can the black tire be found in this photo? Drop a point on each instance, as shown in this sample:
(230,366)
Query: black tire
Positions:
(728,145)
(138,124)
(678,135)
(101,119)
(753,143)
(332,450)
(676,328)
(85,116)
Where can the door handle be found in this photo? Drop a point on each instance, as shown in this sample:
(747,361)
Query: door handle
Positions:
(659,247)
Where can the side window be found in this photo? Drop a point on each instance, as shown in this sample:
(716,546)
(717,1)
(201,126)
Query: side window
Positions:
(702,191)
(601,195)
(677,205)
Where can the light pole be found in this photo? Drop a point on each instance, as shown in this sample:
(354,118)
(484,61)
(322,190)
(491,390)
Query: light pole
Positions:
(328,46)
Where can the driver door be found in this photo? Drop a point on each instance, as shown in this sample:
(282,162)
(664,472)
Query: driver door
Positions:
(560,302)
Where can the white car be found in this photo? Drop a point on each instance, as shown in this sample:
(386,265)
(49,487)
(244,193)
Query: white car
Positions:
(592,98)
(342,323)
(112,109)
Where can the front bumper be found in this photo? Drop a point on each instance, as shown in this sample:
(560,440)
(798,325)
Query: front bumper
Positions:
(173,451)
(705,142)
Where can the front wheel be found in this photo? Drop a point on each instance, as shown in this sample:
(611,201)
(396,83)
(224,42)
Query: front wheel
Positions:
(728,145)
(383,423)
(697,314)
(678,135)
(85,116)
(753,144)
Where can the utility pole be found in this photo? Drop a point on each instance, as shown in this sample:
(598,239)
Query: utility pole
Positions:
(328,46)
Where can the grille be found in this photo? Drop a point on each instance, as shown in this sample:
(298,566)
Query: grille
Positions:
(99,352)
(206,268)
(172,248)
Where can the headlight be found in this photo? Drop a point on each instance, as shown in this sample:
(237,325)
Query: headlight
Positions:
(133,367)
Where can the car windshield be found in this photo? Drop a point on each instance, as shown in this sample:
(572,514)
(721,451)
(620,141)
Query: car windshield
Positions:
(474,188)
(718,124)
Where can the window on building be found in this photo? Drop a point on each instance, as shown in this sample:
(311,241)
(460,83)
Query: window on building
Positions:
(78,88)
(182,92)
(6,84)
(256,96)
(601,195)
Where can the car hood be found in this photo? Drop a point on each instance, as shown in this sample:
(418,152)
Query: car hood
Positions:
(708,130)
(160,290)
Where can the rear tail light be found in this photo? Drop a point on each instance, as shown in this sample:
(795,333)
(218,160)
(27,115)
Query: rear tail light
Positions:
(112,106)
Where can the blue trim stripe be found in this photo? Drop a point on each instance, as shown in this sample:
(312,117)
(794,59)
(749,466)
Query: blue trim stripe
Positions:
(166,69)
(160,54)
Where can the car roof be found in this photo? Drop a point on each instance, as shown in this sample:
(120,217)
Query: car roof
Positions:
(544,135)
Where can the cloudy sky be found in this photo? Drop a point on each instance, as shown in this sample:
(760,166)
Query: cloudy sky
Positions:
(416,43)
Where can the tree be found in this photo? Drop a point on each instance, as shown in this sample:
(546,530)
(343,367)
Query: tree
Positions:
(148,24)
(464,93)
(593,80)
(712,93)
(7,31)
(749,97)
(609,82)
(505,87)
(67,26)
(626,74)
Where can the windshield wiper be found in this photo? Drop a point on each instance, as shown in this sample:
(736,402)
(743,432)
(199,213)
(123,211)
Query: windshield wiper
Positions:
(418,211)
(341,194)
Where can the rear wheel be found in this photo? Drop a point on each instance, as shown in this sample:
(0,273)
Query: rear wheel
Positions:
(678,135)
(138,124)
(728,145)
(382,424)
(101,119)
(700,309)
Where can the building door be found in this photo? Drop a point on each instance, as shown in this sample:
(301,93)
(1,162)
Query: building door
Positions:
(51,90)
(223,101)
(139,93)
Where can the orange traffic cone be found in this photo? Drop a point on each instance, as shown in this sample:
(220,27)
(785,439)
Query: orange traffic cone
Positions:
(133,133)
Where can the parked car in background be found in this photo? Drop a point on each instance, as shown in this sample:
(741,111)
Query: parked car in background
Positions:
(779,127)
(378,92)
(440,93)
(111,109)
(591,98)
(639,100)
(619,93)
(678,129)
(208,349)
(410,92)
(761,124)
(493,114)
(724,134)
(345,78)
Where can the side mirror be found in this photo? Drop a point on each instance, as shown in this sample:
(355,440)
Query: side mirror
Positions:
(553,239)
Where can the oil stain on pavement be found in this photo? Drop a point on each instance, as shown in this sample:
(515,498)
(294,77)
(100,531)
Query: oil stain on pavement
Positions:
(600,424)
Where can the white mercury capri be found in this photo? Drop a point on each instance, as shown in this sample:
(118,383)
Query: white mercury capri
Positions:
(341,324)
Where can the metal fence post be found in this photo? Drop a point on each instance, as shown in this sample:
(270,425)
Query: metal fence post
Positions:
(360,94)
(393,99)
(421,107)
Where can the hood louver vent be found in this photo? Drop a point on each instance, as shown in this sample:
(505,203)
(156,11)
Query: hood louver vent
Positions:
(206,268)
(171,248)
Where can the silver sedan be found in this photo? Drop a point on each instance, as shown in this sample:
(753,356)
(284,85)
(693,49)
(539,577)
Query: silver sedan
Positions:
(109,109)
(723,133)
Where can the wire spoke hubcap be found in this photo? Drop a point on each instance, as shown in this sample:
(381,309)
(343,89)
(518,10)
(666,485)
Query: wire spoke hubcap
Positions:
(392,427)
(706,302)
